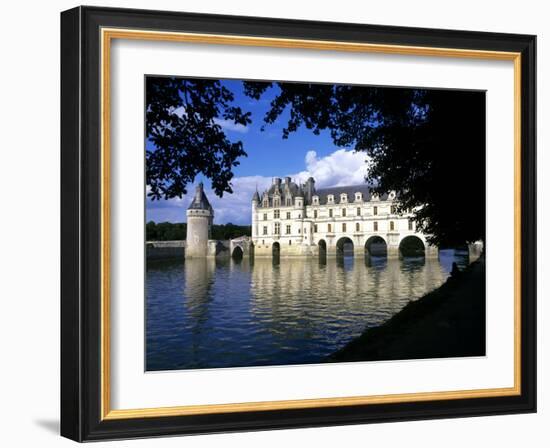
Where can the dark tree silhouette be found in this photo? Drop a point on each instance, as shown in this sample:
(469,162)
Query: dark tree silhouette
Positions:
(183,123)
(427,145)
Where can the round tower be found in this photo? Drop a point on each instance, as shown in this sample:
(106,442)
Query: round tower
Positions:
(200,216)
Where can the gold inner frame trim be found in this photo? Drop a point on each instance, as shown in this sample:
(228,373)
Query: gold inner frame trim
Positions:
(107,35)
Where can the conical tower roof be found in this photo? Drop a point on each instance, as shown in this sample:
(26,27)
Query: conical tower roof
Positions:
(200,201)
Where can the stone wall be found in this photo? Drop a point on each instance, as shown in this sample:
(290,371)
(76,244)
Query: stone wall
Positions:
(164,250)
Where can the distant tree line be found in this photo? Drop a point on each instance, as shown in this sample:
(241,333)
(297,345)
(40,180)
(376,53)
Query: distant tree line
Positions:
(428,145)
(168,231)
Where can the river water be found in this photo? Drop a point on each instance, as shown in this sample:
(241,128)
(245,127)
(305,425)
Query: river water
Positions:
(226,313)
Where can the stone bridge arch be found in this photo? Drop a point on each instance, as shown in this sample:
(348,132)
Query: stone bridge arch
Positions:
(376,245)
(241,247)
(412,246)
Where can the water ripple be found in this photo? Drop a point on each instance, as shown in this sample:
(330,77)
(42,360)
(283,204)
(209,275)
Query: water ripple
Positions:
(209,313)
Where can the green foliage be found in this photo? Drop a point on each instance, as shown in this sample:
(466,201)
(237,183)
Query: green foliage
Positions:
(167,231)
(182,121)
(229,231)
(427,145)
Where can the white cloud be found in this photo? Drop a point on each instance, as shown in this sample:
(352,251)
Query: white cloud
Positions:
(230,125)
(340,168)
(226,125)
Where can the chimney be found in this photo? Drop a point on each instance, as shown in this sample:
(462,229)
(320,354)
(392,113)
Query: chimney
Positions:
(309,189)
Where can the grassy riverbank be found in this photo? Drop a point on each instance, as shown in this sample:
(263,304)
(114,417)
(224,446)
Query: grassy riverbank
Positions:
(448,322)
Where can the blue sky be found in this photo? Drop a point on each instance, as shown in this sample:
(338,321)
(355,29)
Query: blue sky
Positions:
(302,155)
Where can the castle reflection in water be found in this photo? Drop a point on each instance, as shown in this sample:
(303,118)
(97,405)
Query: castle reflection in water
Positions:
(208,313)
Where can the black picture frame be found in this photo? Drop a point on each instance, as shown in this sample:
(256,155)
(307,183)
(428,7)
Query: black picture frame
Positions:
(81,208)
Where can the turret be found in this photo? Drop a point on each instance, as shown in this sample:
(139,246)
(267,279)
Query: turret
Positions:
(255,203)
(255,199)
(200,216)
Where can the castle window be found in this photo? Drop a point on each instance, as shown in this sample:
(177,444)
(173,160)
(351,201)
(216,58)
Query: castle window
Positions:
(315,228)
(343,212)
(314,214)
(357,227)
(375,226)
(290,242)
(375,210)
(411,225)
(276,202)
(392,225)
(343,227)
(287,215)
(330,199)
(277,214)
(393,209)
(358,211)
(263,241)
(277,228)
(329,228)
(343,197)
(288,201)
(265,231)
(315,200)
(358,197)
(288,230)
(265,216)
(305,230)
(330,213)
(266,202)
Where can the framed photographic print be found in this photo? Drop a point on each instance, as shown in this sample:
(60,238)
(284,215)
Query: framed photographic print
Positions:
(275,224)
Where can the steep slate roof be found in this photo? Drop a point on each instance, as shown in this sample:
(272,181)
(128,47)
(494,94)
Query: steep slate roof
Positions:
(300,190)
(350,190)
(200,201)
(292,187)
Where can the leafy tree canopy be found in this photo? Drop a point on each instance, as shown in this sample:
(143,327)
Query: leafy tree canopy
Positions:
(183,122)
(167,231)
(427,145)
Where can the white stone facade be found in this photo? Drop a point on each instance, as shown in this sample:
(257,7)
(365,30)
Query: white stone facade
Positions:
(298,220)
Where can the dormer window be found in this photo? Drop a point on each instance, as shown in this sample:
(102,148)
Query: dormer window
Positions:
(288,201)
(276,202)
(358,197)
(315,200)
(330,199)
(343,197)
(375,197)
(266,202)
(391,196)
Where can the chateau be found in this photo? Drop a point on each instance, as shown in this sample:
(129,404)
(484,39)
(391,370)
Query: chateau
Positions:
(291,219)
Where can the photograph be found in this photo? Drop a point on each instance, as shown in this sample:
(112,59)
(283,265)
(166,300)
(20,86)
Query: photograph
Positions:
(274,221)
(292,223)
